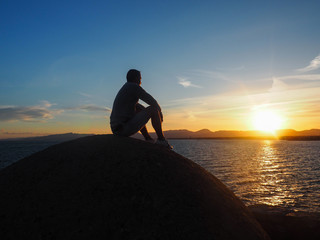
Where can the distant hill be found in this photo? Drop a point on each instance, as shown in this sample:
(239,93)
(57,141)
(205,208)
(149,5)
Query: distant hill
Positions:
(288,134)
(51,138)
(285,134)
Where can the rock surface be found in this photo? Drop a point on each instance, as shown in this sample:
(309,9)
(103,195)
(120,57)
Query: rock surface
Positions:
(283,224)
(107,187)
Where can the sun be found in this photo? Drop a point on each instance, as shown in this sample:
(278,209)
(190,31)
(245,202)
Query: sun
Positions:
(267,121)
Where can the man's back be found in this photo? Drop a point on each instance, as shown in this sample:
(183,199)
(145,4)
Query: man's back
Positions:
(124,104)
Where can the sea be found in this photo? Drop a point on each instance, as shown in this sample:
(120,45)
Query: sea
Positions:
(273,172)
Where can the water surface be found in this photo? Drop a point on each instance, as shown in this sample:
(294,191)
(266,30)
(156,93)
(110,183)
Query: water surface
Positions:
(273,172)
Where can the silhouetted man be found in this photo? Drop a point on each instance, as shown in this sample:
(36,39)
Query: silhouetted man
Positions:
(128,116)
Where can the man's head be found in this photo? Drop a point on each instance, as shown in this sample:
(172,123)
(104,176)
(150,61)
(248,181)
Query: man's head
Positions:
(134,76)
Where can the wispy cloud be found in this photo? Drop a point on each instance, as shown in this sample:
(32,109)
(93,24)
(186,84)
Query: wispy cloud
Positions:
(28,114)
(85,94)
(294,82)
(43,111)
(307,77)
(185,83)
(278,85)
(314,64)
(88,108)
(46,104)
(37,113)
(94,108)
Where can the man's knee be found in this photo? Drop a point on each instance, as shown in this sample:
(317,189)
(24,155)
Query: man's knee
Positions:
(152,111)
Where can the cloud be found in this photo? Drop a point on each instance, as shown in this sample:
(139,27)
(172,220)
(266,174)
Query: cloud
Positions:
(185,83)
(38,113)
(308,77)
(94,108)
(46,104)
(88,108)
(85,94)
(28,114)
(42,112)
(294,82)
(314,64)
(278,85)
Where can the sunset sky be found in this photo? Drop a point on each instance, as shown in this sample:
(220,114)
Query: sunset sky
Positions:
(210,64)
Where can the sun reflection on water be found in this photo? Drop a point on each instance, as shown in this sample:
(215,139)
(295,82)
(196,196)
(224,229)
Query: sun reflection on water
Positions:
(274,172)
(269,189)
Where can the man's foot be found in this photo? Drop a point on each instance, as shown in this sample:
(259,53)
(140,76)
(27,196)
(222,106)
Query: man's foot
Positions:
(164,143)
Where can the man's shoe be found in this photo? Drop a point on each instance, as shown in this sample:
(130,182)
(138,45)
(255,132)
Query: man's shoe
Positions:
(164,143)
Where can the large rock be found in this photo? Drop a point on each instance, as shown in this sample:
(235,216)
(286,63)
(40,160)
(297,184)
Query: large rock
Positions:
(107,187)
(285,224)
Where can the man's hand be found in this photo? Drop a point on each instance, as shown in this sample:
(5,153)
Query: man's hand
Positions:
(161,116)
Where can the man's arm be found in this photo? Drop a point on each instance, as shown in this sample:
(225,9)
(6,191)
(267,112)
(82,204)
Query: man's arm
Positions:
(147,98)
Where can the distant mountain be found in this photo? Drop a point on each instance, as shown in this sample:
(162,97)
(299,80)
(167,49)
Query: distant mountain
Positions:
(306,135)
(51,138)
(312,132)
(205,133)
(288,134)
(182,133)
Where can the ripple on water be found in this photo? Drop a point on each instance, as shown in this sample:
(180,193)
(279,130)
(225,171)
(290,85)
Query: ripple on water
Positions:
(283,173)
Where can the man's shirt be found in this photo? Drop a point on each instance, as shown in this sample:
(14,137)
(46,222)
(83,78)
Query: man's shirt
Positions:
(124,105)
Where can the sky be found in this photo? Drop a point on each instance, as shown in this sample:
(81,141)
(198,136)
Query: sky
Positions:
(209,64)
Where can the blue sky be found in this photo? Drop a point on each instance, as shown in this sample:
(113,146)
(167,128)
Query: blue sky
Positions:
(62,62)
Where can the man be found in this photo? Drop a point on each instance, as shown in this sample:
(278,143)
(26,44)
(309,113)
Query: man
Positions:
(128,116)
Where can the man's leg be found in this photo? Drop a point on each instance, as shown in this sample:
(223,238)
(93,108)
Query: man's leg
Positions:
(145,133)
(156,121)
(138,122)
(143,130)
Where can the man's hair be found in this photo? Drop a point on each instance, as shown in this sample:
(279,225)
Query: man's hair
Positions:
(133,75)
